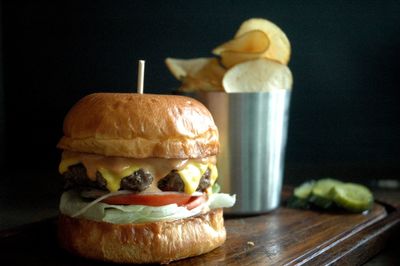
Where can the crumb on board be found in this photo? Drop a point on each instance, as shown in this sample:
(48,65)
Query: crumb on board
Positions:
(250,243)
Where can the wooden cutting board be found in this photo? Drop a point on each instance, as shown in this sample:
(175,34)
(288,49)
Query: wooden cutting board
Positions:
(282,237)
(288,236)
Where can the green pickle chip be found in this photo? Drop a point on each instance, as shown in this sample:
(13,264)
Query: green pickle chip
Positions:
(353,197)
(321,195)
(329,193)
(304,190)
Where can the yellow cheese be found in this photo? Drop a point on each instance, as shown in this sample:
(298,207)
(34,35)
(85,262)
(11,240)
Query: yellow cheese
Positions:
(191,176)
(65,163)
(213,174)
(190,171)
(213,177)
(114,179)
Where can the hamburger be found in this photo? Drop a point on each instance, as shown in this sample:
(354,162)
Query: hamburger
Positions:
(140,179)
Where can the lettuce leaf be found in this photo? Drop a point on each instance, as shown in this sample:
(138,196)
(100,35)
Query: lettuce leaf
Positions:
(221,200)
(71,203)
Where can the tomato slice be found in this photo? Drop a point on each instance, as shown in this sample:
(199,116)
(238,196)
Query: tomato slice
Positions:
(159,199)
(155,200)
(195,201)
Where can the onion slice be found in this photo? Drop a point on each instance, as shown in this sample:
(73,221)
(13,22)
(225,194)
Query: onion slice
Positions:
(84,209)
(88,194)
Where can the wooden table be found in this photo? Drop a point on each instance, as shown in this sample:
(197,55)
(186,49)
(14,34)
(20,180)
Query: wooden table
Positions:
(282,237)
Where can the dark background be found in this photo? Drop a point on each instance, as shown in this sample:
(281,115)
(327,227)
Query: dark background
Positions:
(344,119)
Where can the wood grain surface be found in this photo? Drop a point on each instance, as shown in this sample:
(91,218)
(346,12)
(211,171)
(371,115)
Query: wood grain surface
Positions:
(286,237)
(282,237)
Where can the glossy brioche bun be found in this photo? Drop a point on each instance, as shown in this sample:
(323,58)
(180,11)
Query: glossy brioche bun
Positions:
(140,126)
(157,242)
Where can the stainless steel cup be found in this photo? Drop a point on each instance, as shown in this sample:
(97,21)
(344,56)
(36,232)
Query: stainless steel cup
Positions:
(253,130)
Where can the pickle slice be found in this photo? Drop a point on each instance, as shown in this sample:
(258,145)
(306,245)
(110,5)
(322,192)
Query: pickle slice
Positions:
(304,190)
(321,194)
(299,200)
(353,197)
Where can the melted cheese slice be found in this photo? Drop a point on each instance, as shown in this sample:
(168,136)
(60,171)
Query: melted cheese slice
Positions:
(113,169)
(191,176)
(114,179)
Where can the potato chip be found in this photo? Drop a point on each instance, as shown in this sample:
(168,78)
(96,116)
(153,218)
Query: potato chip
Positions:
(197,74)
(180,68)
(258,75)
(254,41)
(231,58)
(279,48)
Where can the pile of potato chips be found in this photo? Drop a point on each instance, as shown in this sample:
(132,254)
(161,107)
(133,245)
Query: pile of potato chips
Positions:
(255,60)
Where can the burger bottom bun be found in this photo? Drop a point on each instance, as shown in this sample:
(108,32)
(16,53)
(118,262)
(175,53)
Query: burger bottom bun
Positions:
(156,242)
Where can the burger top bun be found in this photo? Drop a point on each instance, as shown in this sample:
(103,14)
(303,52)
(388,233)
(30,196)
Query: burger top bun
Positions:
(140,126)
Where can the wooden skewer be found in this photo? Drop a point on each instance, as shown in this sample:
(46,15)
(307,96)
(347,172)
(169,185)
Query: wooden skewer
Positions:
(140,80)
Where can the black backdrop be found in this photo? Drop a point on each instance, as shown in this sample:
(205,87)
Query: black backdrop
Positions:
(345,62)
